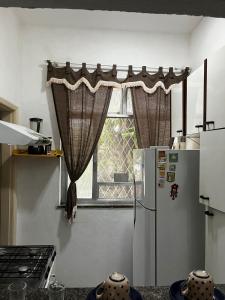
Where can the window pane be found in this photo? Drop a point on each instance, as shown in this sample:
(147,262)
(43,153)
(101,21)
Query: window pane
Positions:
(114,161)
(84,184)
(115,106)
(116,192)
(129,102)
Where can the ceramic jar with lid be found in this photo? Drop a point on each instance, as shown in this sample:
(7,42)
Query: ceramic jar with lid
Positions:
(116,286)
(199,286)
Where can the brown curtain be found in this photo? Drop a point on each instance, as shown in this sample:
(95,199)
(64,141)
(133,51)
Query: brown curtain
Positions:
(152,111)
(150,80)
(81,102)
(81,116)
(152,117)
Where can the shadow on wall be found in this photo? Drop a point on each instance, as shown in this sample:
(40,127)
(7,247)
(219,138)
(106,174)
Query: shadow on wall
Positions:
(128,237)
(64,231)
(33,176)
(53,120)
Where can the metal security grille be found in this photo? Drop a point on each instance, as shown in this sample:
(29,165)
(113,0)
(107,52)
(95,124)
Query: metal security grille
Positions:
(108,176)
(114,159)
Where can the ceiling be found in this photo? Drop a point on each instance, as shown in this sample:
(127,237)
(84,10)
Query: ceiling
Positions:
(214,8)
(108,20)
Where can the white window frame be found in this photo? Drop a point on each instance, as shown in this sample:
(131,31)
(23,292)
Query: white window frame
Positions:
(95,201)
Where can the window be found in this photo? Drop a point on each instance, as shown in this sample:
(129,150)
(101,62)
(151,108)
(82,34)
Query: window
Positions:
(109,176)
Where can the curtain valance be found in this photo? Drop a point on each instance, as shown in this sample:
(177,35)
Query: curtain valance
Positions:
(94,80)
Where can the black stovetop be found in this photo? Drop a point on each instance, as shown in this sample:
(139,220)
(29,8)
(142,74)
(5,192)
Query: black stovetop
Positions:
(26,263)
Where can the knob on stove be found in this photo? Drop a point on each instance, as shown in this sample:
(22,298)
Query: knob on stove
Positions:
(23,269)
(33,252)
(3,251)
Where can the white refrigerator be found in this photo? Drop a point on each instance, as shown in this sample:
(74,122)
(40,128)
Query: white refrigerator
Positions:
(169,230)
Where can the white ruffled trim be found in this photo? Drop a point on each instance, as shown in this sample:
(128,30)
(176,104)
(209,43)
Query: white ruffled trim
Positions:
(100,83)
(75,86)
(145,88)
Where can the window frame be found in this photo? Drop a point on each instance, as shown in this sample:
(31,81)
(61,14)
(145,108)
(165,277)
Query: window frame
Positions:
(95,201)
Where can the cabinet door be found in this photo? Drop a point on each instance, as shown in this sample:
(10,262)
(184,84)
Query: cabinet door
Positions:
(176,109)
(195,99)
(212,169)
(216,88)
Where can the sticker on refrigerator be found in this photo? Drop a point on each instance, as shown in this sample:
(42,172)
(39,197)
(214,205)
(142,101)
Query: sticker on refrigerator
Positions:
(162,156)
(162,173)
(161,183)
(174,191)
(172,168)
(162,165)
(173,157)
(171,176)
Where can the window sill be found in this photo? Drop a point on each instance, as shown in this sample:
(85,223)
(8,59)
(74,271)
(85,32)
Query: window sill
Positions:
(98,204)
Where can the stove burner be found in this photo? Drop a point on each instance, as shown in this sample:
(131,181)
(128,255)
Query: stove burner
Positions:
(2,251)
(29,262)
(23,269)
(33,252)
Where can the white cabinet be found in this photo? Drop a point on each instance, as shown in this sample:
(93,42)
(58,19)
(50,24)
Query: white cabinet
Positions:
(195,87)
(212,169)
(216,88)
(176,108)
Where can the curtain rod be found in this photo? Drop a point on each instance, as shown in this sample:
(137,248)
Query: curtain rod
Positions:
(119,68)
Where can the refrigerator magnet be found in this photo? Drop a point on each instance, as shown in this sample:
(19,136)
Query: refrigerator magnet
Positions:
(173,157)
(174,191)
(171,176)
(161,183)
(162,173)
(162,156)
(162,165)
(172,168)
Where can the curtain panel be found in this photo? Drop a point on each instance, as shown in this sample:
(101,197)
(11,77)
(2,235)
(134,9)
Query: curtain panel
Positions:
(81,102)
(152,116)
(80,115)
(151,99)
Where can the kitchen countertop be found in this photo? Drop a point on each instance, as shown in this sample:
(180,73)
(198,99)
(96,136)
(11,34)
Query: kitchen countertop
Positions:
(148,293)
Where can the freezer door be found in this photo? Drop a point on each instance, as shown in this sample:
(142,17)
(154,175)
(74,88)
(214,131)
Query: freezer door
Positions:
(144,247)
(138,171)
(149,177)
(179,222)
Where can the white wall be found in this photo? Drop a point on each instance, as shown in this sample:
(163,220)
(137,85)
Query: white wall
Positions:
(205,39)
(9,56)
(100,241)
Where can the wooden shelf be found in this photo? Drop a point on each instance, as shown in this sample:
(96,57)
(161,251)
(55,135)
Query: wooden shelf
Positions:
(24,153)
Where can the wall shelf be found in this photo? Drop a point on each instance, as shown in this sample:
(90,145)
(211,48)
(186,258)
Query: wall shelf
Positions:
(24,153)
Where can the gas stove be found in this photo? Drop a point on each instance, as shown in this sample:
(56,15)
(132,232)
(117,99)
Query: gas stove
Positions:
(32,264)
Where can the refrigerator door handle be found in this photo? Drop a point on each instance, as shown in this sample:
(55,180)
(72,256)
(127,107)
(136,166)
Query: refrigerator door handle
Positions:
(208,213)
(151,209)
(135,211)
(135,204)
(204,198)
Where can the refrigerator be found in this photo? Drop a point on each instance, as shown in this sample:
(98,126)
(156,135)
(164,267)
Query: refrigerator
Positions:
(169,221)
